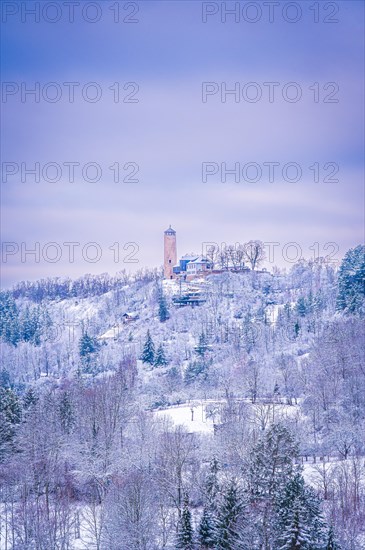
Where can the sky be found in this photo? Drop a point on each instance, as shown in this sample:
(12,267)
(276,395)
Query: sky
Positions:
(228,126)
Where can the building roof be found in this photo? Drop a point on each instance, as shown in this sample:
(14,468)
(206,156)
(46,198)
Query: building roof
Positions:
(189,257)
(170,230)
(199,260)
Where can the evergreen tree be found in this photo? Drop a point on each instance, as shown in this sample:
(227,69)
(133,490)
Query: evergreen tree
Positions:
(229,521)
(270,465)
(300,524)
(10,416)
(148,354)
(351,281)
(67,417)
(88,348)
(163,311)
(212,487)
(208,522)
(271,462)
(5,379)
(301,307)
(88,345)
(9,319)
(185,534)
(202,346)
(207,530)
(295,536)
(30,398)
(160,357)
(31,326)
(193,370)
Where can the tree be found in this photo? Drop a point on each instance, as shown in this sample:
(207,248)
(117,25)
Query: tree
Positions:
(30,398)
(148,354)
(88,348)
(270,465)
(9,319)
(185,534)
(211,483)
(301,307)
(229,520)
(254,253)
(202,346)
(160,357)
(163,311)
(208,522)
(351,281)
(67,416)
(300,524)
(271,462)
(10,416)
(207,530)
(331,542)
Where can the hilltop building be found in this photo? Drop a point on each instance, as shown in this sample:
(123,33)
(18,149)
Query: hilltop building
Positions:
(189,266)
(170,253)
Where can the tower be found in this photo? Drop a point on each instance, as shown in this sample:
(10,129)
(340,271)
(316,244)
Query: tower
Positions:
(170,255)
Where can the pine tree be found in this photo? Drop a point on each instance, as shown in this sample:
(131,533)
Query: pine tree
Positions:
(88,348)
(10,416)
(301,307)
(67,417)
(295,536)
(299,523)
(9,319)
(160,357)
(148,354)
(202,346)
(207,530)
(351,278)
(163,311)
(30,398)
(87,345)
(208,522)
(229,519)
(271,462)
(185,533)
(211,484)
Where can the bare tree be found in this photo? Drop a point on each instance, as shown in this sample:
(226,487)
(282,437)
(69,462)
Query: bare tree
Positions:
(254,253)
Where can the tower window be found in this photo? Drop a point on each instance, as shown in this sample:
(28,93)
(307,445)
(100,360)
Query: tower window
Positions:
(169,261)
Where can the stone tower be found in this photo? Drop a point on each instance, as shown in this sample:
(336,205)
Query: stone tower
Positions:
(170,255)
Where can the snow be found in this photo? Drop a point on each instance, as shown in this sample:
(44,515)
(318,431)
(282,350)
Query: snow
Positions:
(200,421)
(111,333)
(182,415)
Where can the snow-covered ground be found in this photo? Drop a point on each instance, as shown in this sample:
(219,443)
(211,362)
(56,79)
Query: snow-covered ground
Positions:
(193,417)
(200,417)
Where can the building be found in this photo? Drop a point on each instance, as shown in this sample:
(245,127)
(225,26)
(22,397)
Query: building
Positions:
(198,266)
(129,317)
(189,266)
(170,252)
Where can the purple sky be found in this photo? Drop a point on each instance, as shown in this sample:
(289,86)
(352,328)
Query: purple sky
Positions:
(169,132)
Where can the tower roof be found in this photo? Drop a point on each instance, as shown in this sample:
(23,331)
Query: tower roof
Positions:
(170,230)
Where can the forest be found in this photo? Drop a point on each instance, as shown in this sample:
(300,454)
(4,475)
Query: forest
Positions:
(95,370)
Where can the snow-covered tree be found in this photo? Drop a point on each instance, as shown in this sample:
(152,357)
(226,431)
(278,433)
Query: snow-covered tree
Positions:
(148,353)
(230,520)
(160,357)
(185,532)
(207,530)
(300,524)
(163,311)
(351,281)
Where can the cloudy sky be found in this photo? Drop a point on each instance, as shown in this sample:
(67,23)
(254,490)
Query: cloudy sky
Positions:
(148,106)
